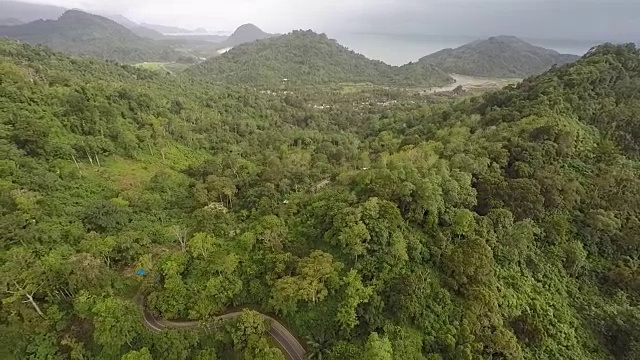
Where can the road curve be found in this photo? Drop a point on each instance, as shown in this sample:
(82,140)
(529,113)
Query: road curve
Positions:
(292,348)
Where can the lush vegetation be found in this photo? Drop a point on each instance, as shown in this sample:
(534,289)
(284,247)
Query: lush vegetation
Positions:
(307,58)
(378,224)
(80,33)
(500,56)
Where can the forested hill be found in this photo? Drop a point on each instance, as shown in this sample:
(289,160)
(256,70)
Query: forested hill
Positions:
(569,167)
(77,32)
(244,34)
(602,91)
(500,56)
(383,225)
(307,58)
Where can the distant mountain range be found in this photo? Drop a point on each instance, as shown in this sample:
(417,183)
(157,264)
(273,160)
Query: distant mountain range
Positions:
(500,56)
(307,58)
(207,45)
(10,22)
(145,32)
(171,29)
(28,12)
(113,36)
(258,57)
(81,33)
(122,20)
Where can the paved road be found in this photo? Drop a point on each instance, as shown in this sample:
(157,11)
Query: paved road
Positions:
(280,334)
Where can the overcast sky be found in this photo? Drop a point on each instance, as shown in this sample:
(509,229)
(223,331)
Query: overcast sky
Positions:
(563,19)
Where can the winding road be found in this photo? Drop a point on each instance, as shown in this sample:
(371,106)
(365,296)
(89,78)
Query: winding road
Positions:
(278,332)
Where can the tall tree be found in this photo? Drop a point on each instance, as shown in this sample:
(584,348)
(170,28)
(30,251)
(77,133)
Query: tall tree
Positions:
(377,348)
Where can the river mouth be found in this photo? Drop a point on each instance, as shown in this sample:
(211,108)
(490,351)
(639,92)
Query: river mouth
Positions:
(471,83)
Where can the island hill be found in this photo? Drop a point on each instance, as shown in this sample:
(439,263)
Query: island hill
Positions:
(308,58)
(305,57)
(500,57)
(80,33)
(245,34)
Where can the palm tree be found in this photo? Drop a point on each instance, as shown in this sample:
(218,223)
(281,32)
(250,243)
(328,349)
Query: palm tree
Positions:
(319,346)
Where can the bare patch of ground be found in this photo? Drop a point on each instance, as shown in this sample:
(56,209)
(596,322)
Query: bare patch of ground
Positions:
(472,83)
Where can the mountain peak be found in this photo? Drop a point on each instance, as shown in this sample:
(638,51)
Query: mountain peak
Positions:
(81,21)
(81,33)
(75,13)
(244,34)
(501,56)
(305,57)
(248,31)
(506,38)
(509,40)
(78,18)
(247,27)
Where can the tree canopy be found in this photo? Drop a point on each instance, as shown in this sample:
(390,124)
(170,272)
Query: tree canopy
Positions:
(307,58)
(375,223)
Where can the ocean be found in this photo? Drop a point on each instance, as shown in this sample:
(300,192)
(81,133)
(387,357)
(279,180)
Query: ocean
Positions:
(401,49)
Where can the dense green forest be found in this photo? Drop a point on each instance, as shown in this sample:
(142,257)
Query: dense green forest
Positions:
(80,33)
(307,58)
(499,56)
(376,224)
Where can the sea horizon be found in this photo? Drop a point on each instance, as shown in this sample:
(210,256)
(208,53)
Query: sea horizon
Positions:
(400,49)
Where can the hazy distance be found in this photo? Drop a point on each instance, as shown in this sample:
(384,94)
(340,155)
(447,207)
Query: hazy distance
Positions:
(543,19)
(397,31)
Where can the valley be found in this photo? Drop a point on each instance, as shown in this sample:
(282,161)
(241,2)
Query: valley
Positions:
(291,198)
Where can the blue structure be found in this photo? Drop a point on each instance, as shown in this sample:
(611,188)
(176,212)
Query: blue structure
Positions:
(141,272)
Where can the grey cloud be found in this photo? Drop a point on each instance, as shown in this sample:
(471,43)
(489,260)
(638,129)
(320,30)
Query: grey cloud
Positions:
(564,19)
(530,18)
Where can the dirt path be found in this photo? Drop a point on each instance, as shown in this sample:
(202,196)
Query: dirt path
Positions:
(280,334)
